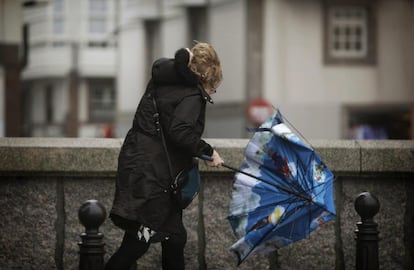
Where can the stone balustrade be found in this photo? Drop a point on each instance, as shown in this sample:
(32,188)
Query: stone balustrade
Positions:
(43,182)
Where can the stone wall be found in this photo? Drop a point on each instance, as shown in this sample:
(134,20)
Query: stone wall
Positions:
(43,182)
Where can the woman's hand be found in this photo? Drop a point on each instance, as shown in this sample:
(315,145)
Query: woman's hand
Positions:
(217,160)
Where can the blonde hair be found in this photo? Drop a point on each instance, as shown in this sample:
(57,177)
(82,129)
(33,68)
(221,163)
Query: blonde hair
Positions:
(206,64)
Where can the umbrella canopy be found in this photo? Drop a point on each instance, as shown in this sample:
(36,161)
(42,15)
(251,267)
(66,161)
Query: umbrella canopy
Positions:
(281,193)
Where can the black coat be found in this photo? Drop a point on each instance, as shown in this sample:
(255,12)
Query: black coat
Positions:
(142,193)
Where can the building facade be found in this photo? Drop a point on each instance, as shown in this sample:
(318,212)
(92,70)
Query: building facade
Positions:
(69,83)
(336,69)
(158,28)
(334,66)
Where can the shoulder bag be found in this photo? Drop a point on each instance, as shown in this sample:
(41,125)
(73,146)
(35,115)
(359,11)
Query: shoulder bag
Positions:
(185,186)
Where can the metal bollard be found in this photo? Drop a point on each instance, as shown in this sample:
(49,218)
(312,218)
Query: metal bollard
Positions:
(367,206)
(91,248)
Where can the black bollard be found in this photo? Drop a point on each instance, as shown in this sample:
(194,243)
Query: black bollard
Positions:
(367,206)
(91,248)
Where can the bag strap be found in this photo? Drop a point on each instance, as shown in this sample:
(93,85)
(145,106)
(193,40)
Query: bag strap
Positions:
(157,122)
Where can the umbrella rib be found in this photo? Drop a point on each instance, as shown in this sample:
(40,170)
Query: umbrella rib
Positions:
(276,172)
(308,198)
(293,224)
(300,134)
(299,162)
(290,191)
(287,200)
(272,230)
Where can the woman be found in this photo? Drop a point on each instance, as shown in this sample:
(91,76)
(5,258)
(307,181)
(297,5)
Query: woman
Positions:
(143,206)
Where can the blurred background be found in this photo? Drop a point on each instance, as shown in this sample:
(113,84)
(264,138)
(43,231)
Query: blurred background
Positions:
(337,69)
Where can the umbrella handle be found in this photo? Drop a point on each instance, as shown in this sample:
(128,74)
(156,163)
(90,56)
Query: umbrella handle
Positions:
(208,158)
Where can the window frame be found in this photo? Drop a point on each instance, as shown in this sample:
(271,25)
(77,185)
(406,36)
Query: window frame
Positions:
(58,17)
(370,57)
(98,18)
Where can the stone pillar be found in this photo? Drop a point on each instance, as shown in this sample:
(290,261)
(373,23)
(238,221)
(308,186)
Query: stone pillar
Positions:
(9,59)
(72,122)
(254,50)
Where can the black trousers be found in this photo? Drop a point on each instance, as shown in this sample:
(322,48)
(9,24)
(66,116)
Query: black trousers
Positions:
(132,249)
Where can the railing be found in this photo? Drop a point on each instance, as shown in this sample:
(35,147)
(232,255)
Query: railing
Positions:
(91,249)
(92,214)
(44,181)
(367,207)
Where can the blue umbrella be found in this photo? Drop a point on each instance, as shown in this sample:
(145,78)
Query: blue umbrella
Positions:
(281,193)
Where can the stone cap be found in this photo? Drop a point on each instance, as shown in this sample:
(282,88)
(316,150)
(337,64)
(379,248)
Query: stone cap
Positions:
(60,156)
(98,157)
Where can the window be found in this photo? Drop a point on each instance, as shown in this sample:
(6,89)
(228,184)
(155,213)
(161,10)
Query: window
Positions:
(349,34)
(58,18)
(58,6)
(378,121)
(101,101)
(97,16)
(57,25)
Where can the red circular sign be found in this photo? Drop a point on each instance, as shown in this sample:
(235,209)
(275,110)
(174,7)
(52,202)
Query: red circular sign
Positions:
(259,110)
